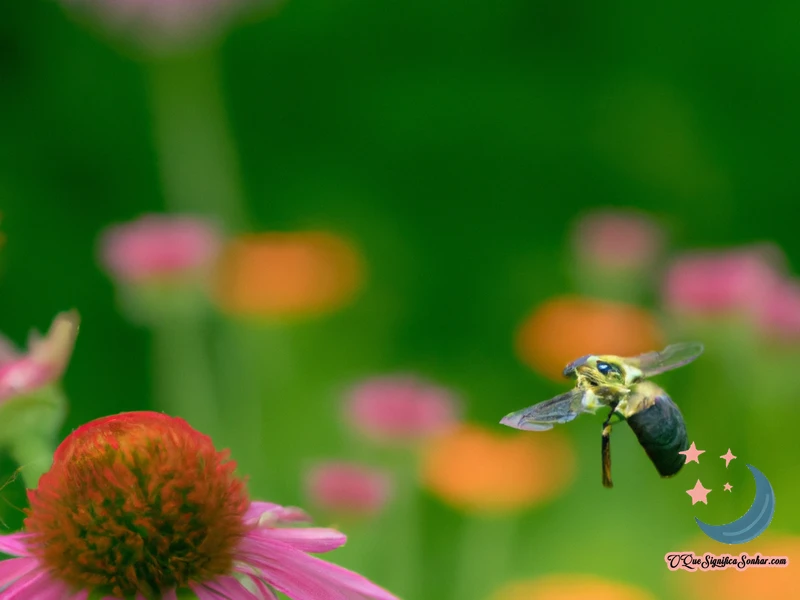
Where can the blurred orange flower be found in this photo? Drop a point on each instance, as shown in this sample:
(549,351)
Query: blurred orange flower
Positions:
(567,327)
(477,470)
(287,274)
(775,583)
(571,587)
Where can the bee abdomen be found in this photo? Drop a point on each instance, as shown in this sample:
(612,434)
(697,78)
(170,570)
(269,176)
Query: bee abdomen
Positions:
(661,431)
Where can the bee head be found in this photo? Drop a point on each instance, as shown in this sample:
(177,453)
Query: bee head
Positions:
(595,371)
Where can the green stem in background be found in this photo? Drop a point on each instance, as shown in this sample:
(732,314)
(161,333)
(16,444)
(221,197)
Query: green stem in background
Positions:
(285,411)
(184,386)
(405,522)
(771,420)
(243,417)
(34,454)
(196,153)
(256,370)
(630,285)
(485,555)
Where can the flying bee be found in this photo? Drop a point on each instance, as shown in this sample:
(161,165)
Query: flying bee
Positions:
(620,384)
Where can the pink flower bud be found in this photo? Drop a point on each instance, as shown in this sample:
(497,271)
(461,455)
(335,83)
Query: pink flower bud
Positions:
(400,409)
(160,248)
(348,489)
(45,361)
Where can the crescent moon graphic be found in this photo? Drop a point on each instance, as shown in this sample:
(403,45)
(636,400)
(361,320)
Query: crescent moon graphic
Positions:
(752,523)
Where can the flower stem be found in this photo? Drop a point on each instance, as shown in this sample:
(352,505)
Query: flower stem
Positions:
(184,386)
(406,562)
(200,175)
(196,154)
(486,552)
(34,455)
(251,380)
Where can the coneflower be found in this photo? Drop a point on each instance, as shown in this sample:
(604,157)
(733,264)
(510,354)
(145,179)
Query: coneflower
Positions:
(140,505)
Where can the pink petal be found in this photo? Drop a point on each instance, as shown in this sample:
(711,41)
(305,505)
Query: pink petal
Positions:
(51,589)
(203,593)
(269,555)
(32,584)
(257,508)
(307,539)
(231,588)
(46,359)
(297,574)
(266,514)
(223,588)
(13,568)
(255,577)
(21,376)
(349,580)
(292,514)
(15,544)
(266,593)
(169,595)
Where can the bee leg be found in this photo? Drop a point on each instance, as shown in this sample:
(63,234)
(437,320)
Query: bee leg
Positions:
(607,457)
(606,447)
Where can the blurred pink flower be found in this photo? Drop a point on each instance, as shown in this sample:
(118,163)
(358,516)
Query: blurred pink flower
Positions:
(401,409)
(780,317)
(159,248)
(730,281)
(348,488)
(617,239)
(45,361)
(159,19)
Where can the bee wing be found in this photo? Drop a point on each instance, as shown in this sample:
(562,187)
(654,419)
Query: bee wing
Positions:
(671,357)
(542,416)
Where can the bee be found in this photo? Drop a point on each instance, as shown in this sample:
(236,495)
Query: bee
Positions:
(621,384)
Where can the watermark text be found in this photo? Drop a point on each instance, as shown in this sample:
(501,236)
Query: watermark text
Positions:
(689,561)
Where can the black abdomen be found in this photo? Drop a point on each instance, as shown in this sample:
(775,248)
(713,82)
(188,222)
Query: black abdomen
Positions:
(661,431)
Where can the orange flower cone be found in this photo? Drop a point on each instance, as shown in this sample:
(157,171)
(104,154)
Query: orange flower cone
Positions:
(276,275)
(567,327)
(477,470)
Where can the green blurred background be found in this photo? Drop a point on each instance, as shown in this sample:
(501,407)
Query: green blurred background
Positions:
(455,143)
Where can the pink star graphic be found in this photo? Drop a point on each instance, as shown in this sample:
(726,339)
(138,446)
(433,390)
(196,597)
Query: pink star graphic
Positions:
(698,493)
(728,487)
(692,454)
(728,457)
